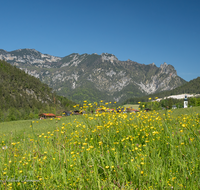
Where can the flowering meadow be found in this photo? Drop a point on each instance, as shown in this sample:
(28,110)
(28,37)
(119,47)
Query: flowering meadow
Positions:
(108,150)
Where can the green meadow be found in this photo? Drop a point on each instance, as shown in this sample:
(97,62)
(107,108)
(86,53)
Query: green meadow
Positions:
(145,150)
(134,106)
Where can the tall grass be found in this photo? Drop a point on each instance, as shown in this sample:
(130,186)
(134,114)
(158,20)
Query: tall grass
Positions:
(153,150)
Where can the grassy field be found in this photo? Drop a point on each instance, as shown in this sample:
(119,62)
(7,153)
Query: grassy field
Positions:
(134,106)
(145,150)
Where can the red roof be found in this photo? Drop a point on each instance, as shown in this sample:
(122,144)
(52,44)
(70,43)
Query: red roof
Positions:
(48,114)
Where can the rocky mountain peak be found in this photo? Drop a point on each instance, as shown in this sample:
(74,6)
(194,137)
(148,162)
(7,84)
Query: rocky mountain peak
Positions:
(152,64)
(164,65)
(108,57)
(92,77)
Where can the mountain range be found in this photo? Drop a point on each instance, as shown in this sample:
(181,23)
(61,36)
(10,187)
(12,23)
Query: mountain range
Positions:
(94,77)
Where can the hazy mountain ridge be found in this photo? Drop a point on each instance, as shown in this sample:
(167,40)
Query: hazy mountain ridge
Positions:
(28,56)
(94,77)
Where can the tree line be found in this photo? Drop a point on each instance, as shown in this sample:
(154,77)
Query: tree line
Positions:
(169,103)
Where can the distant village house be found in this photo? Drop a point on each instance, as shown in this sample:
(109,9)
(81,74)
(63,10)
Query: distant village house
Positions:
(47,115)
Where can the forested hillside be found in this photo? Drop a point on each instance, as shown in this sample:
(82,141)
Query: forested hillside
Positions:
(191,87)
(23,96)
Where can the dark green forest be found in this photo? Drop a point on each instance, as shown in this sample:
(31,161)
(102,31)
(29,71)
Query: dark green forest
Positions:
(23,96)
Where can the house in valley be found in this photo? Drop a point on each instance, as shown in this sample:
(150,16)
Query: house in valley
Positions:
(47,115)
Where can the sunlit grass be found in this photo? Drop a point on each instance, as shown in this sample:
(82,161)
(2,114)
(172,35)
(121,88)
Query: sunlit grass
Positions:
(134,106)
(153,150)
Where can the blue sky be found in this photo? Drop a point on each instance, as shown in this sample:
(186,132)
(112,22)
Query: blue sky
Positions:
(144,31)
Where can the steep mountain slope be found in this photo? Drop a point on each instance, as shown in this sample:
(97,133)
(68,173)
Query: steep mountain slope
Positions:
(94,77)
(20,90)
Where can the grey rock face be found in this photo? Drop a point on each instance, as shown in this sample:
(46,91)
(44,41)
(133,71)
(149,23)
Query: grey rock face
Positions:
(99,76)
